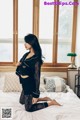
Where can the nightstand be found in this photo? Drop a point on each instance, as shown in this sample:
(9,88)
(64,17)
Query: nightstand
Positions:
(77,84)
(71,77)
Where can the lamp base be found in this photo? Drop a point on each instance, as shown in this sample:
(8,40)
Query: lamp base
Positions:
(72,66)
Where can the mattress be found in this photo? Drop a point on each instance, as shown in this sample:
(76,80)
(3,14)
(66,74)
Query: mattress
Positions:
(70,109)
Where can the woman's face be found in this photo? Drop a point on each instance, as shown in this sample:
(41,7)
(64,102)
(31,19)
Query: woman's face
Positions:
(27,46)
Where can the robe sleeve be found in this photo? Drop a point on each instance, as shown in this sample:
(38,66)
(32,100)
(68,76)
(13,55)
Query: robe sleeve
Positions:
(36,93)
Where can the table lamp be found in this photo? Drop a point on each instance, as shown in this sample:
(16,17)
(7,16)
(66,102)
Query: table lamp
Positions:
(72,65)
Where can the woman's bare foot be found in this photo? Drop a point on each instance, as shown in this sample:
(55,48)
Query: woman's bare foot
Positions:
(44,99)
(53,102)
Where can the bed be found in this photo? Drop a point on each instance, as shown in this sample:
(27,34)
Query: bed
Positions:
(70,109)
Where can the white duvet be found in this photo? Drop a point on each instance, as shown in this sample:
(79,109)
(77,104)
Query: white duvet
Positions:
(70,109)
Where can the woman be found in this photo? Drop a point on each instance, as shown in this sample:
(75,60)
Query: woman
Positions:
(28,70)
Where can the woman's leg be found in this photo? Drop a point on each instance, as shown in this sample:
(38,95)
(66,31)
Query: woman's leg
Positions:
(37,106)
(22,98)
(44,99)
(33,107)
(53,102)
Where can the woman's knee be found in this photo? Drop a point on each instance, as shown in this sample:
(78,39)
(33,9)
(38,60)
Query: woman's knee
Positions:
(28,103)
(21,101)
(28,108)
(22,98)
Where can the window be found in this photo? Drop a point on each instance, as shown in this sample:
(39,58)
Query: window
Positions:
(64,33)
(25,20)
(6,30)
(54,25)
(46,21)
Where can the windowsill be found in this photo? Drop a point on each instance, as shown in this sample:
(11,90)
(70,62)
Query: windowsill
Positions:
(54,69)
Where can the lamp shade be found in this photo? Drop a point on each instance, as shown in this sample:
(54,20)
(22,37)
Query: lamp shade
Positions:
(72,54)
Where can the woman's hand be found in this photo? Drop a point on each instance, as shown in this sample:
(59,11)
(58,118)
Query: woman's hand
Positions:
(18,63)
(34,100)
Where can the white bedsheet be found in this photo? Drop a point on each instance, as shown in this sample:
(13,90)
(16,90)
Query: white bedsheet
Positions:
(70,109)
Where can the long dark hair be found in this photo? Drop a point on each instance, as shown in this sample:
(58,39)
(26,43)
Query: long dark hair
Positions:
(33,41)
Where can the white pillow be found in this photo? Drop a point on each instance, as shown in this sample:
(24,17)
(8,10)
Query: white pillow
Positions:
(42,79)
(11,83)
(55,84)
(42,85)
(42,88)
(2,79)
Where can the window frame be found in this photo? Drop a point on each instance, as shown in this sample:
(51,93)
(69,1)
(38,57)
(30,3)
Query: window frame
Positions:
(36,9)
